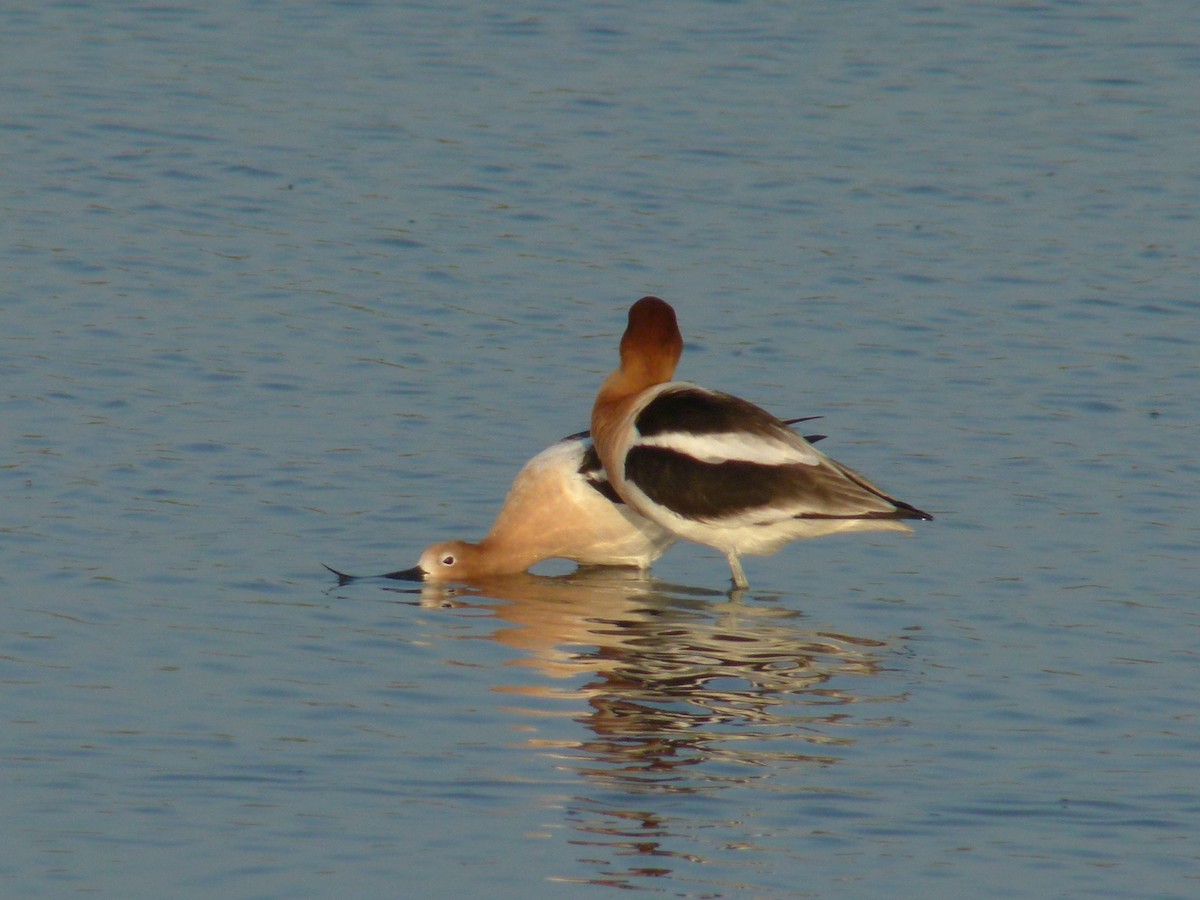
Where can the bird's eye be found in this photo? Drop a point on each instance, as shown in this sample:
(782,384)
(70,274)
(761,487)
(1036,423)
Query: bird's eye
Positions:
(447,560)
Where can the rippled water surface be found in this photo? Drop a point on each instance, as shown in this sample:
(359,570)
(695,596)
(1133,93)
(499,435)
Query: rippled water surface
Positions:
(283,287)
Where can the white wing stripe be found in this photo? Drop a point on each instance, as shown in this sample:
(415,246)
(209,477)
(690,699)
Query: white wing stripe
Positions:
(733,445)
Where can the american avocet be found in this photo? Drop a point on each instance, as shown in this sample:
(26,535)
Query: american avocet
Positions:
(716,469)
(560,506)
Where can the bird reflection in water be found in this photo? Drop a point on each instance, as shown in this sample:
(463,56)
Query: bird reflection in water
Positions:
(686,692)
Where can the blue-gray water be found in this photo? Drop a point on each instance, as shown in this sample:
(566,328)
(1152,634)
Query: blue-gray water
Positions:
(284,286)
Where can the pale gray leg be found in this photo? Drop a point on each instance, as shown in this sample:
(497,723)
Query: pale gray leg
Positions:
(735,565)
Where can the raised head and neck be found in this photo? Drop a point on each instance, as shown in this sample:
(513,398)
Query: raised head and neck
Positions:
(650,351)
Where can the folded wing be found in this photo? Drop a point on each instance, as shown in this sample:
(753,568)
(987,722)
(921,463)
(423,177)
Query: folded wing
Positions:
(716,458)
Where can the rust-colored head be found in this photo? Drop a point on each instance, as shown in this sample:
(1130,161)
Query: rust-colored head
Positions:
(652,344)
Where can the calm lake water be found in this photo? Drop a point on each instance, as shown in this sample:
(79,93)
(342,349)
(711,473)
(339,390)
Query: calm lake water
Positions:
(290,286)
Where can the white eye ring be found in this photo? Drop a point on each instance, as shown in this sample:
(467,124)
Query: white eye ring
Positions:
(448,560)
